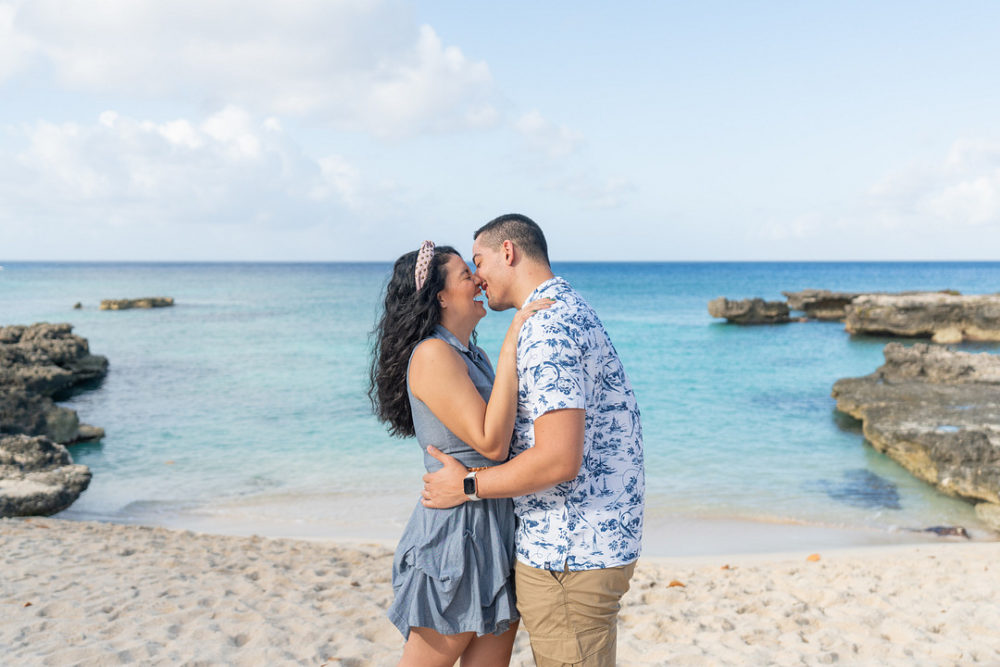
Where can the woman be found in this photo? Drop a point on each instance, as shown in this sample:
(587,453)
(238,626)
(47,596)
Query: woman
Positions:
(453,570)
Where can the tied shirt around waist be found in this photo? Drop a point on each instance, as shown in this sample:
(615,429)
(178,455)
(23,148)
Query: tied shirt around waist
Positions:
(430,430)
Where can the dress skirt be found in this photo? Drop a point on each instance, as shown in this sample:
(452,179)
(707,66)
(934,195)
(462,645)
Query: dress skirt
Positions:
(454,569)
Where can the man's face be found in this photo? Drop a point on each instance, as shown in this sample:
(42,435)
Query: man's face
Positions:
(493,271)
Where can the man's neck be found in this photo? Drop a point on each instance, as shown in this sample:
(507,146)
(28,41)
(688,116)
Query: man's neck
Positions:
(530,282)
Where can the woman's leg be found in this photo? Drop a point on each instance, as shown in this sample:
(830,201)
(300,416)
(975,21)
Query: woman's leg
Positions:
(490,650)
(431,648)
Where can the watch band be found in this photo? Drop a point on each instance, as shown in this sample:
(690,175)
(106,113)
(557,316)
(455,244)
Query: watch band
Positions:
(470,487)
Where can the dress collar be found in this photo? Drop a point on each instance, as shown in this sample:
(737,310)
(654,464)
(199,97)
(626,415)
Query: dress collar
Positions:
(451,338)
(472,353)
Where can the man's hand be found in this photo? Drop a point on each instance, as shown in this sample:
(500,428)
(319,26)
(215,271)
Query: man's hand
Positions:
(444,488)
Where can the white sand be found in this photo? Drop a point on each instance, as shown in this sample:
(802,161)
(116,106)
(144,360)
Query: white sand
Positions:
(99,594)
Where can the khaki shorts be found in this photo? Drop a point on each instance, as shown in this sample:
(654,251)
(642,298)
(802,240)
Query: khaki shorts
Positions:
(571,617)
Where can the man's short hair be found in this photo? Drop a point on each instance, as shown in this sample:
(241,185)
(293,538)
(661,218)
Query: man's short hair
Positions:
(520,230)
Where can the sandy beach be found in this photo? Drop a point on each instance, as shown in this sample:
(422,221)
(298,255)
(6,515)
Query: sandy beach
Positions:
(104,594)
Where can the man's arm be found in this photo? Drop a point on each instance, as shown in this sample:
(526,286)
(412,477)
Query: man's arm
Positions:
(556,457)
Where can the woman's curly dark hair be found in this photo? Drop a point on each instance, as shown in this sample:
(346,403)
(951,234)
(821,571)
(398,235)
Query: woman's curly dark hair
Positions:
(408,316)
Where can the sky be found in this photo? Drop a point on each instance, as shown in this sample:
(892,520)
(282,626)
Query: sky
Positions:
(352,130)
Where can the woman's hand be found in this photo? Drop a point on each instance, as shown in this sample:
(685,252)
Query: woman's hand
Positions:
(530,309)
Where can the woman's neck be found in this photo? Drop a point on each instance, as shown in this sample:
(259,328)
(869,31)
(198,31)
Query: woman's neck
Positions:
(461,331)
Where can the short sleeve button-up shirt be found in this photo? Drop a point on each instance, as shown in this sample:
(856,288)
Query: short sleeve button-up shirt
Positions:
(566,360)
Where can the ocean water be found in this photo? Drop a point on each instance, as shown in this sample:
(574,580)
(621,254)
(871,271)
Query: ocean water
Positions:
(243,408)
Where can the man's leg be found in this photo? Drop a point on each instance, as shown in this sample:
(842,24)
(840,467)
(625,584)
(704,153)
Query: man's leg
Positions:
(571,617)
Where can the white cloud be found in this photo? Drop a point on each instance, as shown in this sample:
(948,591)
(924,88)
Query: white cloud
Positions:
(919,211)
(975,202)
(593,191)
(547,137)
(340,177)
(15,48)
(181,133)
(355,64)
(962,190)
(423,90)
(232,128)
(485,115)
(548,143)
(227,168)
(802,227)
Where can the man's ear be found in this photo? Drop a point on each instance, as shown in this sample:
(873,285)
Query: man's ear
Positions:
(508,252)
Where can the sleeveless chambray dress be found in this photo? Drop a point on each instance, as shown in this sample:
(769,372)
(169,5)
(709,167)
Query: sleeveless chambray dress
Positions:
(453,569)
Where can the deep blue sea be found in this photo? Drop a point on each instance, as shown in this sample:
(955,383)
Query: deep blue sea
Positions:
(243,408)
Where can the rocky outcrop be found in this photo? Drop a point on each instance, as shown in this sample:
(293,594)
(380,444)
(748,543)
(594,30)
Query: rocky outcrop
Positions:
(942,317)
(937,413)
(26,412)
(989,513)
(37,363)
(37,476)
(145,302)
(821,304)
(749,311)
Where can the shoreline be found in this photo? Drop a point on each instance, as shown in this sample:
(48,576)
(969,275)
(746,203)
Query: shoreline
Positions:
(665,535)
(94,593)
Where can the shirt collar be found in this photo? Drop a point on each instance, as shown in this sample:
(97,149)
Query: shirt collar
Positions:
(544,287)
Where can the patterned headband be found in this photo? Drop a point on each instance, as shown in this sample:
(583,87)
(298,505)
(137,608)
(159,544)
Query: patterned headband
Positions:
(423,263)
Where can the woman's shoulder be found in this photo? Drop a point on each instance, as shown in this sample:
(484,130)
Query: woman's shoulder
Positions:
(433,359)
(432,351)
(430,347)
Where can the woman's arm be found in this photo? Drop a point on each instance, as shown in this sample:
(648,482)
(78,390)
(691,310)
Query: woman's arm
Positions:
(556,456)
(440,378)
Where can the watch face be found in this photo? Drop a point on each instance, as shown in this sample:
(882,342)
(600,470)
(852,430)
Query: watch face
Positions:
(470,486)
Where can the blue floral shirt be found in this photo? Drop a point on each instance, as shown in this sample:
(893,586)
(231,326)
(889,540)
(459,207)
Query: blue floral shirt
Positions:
(566,360)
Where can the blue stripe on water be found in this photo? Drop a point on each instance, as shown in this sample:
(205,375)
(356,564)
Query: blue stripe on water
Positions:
(246,401)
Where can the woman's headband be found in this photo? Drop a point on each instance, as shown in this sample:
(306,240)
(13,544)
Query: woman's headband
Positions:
(423,263)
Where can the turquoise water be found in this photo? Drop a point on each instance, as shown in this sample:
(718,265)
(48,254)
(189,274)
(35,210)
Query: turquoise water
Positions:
(243,408)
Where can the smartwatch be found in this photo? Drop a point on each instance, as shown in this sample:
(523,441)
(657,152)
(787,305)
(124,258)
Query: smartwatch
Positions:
(469,486)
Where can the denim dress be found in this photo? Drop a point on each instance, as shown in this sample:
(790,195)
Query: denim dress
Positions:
(453,569)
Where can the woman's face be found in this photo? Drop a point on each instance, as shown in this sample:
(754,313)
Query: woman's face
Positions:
(461,291)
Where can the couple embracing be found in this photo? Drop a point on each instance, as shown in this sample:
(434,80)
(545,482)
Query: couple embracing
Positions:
(534,470)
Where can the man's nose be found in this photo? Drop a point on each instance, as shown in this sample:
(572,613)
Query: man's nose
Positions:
(479,281)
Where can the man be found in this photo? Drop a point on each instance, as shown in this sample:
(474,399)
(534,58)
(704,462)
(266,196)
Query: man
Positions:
(576,475)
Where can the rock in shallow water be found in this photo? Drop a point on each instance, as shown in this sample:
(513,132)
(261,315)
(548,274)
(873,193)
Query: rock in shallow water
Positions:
(37,476)
(749,311)
(821,304)
(145,302)
(88,432)
(945,318)
(937,413)
(38,362)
